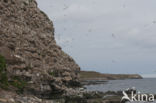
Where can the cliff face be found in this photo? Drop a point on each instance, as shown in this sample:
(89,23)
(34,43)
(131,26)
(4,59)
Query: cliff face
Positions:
(35,63)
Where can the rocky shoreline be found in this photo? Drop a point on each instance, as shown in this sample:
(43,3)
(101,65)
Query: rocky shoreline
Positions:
(73,96)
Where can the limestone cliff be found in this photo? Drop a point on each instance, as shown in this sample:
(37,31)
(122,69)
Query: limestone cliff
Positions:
(35,63)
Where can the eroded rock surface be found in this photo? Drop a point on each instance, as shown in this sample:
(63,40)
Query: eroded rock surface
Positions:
(32,55)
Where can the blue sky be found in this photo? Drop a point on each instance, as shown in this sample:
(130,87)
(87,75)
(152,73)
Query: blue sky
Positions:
(108,36)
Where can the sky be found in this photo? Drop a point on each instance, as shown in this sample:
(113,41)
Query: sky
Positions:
(108,36)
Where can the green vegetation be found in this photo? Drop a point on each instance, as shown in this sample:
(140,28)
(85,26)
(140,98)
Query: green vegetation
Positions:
(3,74)
(29,67)
(54,74)
(84,75)
(30,0)
(91,74)
(18,83)
(15,82)
(51,73)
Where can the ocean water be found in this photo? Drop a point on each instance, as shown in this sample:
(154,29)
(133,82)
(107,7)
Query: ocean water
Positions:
(147,85)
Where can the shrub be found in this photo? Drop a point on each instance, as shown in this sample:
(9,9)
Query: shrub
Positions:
(54,73)
(18,83)
(3,73)
(15,82)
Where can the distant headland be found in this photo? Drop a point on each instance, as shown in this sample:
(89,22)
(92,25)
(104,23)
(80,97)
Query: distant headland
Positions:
(92,75)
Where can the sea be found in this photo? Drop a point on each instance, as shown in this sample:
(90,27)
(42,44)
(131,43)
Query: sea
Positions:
(146,85)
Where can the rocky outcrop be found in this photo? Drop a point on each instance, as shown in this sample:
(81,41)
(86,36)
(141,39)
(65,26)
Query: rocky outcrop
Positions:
(77,97)
(35,63)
